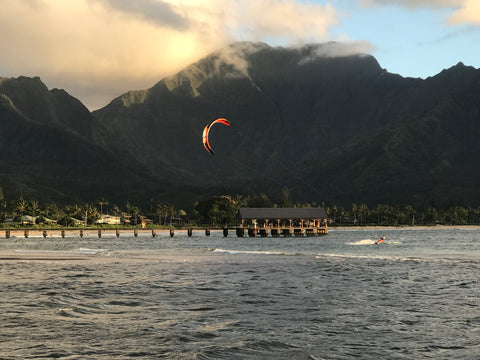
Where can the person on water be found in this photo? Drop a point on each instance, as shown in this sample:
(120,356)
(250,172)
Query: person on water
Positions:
(380,239)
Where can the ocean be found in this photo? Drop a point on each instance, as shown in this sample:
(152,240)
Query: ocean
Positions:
(415,296)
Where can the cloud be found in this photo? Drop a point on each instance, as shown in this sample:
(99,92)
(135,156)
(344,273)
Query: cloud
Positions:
(413,3)
(469,12)
(157,12)
(235,57)
(335,49)
(291,20)
(463,11)
(99,49)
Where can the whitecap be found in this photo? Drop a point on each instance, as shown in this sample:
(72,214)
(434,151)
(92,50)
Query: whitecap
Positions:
(362,242)
(39,251)
(367,257)
(253,252)
(92,251)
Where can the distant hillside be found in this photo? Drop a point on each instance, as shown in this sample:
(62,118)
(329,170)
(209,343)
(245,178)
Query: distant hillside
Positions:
(333,129)
(339,129)
(45,152)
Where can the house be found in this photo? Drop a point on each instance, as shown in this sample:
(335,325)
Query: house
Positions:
(109,219)
(28,220)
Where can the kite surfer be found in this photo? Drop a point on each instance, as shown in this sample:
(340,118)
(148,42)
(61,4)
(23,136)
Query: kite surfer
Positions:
(380,239)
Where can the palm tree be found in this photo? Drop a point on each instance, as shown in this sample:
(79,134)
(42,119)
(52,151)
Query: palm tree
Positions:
(285,198)
(33,208)
(101,202)
(52,211)
(20,206)
(132,210)
(363,212)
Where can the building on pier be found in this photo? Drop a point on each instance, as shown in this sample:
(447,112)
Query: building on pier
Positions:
(283,221)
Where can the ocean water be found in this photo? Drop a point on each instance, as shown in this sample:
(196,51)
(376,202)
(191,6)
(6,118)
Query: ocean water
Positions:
(416,296)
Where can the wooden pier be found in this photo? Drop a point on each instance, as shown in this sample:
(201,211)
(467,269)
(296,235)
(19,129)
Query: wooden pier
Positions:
(241,231)
(280,231)
(262,222)
(282,222)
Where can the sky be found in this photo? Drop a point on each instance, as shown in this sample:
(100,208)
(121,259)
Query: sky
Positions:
(99,49)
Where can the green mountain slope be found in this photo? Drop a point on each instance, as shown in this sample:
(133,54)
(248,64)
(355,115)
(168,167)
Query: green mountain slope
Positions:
(44,151)
(329,128)
(334,129)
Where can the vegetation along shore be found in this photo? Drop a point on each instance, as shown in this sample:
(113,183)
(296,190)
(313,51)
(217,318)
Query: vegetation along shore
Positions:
(219,211)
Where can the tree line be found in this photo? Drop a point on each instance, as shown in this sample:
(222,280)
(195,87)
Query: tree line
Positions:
(222,210)
(86,213)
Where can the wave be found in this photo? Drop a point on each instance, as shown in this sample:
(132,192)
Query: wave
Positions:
(81,251)
(92,251)
(367,257)
(39,251)
(251,252)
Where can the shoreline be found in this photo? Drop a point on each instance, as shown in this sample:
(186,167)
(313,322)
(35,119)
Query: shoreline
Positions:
(406,227)
(39,233)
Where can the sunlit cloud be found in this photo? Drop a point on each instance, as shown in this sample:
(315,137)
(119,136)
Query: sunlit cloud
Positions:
(338,50)
(469,12)
(463,11)
(98,49)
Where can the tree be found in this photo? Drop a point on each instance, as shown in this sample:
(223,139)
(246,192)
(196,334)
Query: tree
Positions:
(101,202)
(285,199)
(20,206)
(116,210)
(52,211)
(363,213)
(163,210)
(259,201)
(133,211)
(73,210)
(89,212)
(218,210)
(33,208)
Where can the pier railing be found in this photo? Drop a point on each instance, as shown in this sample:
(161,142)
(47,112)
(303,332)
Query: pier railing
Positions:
(240,231)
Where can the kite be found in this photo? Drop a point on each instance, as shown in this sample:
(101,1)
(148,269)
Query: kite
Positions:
(207,129)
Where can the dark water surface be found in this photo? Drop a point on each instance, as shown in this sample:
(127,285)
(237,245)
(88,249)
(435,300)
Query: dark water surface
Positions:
(416,296)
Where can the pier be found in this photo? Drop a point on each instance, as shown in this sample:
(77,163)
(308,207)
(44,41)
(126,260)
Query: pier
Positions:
(252,222)
(240,231)
(285,222)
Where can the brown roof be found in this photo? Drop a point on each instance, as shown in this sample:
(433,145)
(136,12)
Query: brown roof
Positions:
(282,213)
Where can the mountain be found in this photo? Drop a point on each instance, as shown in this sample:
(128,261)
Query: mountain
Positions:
(45,149)
(328,125)
(338,129)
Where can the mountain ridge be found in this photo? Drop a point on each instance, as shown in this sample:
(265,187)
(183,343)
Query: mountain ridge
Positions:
(329,128)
